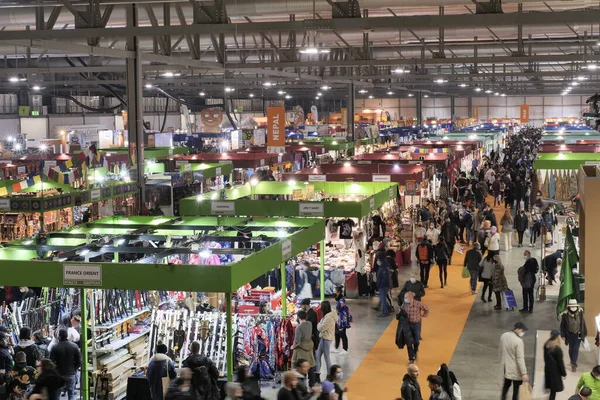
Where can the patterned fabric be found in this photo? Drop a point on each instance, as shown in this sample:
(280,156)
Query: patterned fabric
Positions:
(415,311)
(344,317)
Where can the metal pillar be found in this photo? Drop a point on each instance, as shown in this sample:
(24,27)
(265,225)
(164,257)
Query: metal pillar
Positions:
(452,108)
(419,108)
(229,337)
(283,291)
(85,390)
(135,115)
(322,269)
(350,116)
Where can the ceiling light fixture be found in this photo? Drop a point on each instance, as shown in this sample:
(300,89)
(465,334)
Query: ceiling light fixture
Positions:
(574,83)
(390,93)
(410,95)
(503,95)
(496,94)
(287,96)
(229,89)
(319,94)
(314,50)
(268,84)
(400,71)
(168,74)
(362,91)
(325,87)
(371,96)
(250,95)
(581,78)
(463,85)
(148,86)
(281,92)
(426,95)
(488,91)
(36,87)
(202,94)
(441,80)
(591,67)
(13,79)
(478,89)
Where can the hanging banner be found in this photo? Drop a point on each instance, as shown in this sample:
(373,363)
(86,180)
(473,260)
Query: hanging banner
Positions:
(275,129)
(475,112)
(524,115)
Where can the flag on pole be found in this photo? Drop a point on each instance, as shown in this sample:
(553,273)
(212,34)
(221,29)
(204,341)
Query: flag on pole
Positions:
(570,259)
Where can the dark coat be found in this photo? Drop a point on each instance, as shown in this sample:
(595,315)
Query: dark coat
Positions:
(383,275)
(417,288)
(441,252)
(554,368)
(67,357)
(449,232)
(564,324)
(175,393)
(311,316)
(472,260)
(159,367)
(49,380)
(404,336)
(521,222)
(411,390)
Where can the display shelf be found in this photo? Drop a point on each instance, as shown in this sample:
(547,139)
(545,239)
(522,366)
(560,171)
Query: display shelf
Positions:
(116,345)
(132,316)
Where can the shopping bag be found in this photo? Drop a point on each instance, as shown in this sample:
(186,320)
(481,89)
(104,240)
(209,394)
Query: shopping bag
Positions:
(548,237)
(525,392)
(465,273)
(585,345)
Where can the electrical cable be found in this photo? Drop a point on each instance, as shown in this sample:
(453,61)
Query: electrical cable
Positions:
(162,128)
(80,104)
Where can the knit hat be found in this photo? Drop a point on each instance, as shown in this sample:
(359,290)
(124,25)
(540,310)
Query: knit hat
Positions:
(327,387)
(554,334)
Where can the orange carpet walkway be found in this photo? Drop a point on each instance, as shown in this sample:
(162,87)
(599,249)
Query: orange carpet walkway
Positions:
(380,374)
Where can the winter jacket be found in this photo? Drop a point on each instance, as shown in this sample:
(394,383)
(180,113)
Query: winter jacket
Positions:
(404,336)
(588,380)
(429,252)
(521,222)
(507,224)
(67,357)
(494,242)
(449,232)
(564,323)
(326,326)
(303,392)
(527,273)
(50,382)
(411,390)
(160,367)
(472,260)
(311,316)
(344,317)
(441,252)
(490,216)
(32,352)
(383,275)
(512,356)
(441,395)
(175,393)
(499,283)
(196,361)
(417,288)
(6,360)
(554,368)
(487,268)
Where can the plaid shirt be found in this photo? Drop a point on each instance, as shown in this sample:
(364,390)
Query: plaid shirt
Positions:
(415,310)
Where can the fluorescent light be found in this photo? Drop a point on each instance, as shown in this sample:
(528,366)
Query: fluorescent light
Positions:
(36,87)
(319,94)
(371,96)
(22,79)
(13,79)
(488,91)
(229,89)
(317,98)
(325,87)
(168,74)
(287,96)
(441,80)
(363,91)
(591,67)
(574,83)
(281,92)
(503,95)
(148,86)
(324,51)
(463,85)
(268,84)
(581,78)
(310,50)
(496,94)
(250,95)
(478,89)
(410,95)
(201,94)
(426,95)
(400,71)
(390,93)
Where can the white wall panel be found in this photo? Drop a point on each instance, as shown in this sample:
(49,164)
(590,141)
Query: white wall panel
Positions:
(407,112)
(107,121)
(496,111)
(35,128)
(572,100)
(8,126)
(461,101)
(553,100)
(497,101)
(536,112)
(461,112)
(408,102)
(56,124)
(553,111)
(515,100)
(428,102)
(389,103)
(479,101)
(571,111)
(513,112)
(442,102)
(534,100)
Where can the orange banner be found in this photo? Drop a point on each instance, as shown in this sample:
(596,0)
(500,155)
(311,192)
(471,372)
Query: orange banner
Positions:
(276,126)
(524,116)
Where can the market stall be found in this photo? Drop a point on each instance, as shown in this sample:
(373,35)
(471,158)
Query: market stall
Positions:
(129,313)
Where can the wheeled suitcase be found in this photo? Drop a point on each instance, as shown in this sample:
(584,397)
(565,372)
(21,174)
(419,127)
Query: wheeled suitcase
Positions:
(509,299)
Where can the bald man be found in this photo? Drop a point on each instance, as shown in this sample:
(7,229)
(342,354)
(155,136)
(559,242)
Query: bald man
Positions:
(411,390)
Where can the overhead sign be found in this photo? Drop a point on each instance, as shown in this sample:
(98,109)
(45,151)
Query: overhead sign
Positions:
(317,178)
(218,171)
(276,126)
(95,194)
(313,209)
(524,115)
(286,249)
(50,163)
(222,207)
(82,275)
(4,204)
(411,188)
(382,178)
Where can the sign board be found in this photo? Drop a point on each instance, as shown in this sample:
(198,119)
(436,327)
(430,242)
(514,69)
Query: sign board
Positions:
(382,178)
(95,194)
(475,112)
(218,171)
(179,163)
(222,207)
(411,188)
(372,203)
(286,249)
(524,115)
(21,170)
(317,178)
(597,163)
(276,126)
(276,150)
(82,275)
(391,193)
(363,162)
(313,209)
(24,111)
(50,163)
(4,204)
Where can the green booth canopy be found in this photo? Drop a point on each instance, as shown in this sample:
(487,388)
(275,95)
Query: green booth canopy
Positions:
(356,199)
(78,258)
(331,144)
(570,139)
(564,160)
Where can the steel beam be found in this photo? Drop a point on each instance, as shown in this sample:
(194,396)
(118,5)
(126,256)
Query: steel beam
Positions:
(339,24)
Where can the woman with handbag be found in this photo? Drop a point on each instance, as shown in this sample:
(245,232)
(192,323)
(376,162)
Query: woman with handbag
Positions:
(499,283)
(554,366)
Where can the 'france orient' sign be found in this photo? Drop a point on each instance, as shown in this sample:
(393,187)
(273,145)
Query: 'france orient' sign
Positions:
(82,275)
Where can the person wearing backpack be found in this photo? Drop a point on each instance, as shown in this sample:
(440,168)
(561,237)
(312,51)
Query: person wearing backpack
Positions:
(527,279)
(27,346)
(424,255)
(204,374)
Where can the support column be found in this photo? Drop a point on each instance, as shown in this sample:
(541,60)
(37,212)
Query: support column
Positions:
(283,291)
(229,337)
(419,108)
(452,108)
(322,269)
(470,107)
(135,115)
(85,389)
(350,116)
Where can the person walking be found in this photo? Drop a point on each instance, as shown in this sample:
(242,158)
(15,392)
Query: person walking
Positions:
(326,329)
(161,369)
(424,255)
(592,381)
(437,392)
(415,312)
(449,232)
(486,267)
(499,283)
(411,390)
(554,366)
(180,388)
(289,383)
(507,222)
(383,284)
(27,346)
(303,391)
(442,254)
(198,364)
(433,234)
(303,345)
(584,393)
(343,322)
(527,280)
(412,285)
(521,222)
(48,383)
(512,360)
(573,330)
(67,357)
(472,262)
(336,374)
(492,241)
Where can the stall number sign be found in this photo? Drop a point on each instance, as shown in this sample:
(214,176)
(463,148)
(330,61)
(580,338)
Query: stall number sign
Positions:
(382,178)
(50,163)
(311,209)
(96,193)
(372,203)
(317,178)
(391,192)
(82,275)
(21,170)
(222,207)
(218,171)
(286,249)
(179,163)
(5,204)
